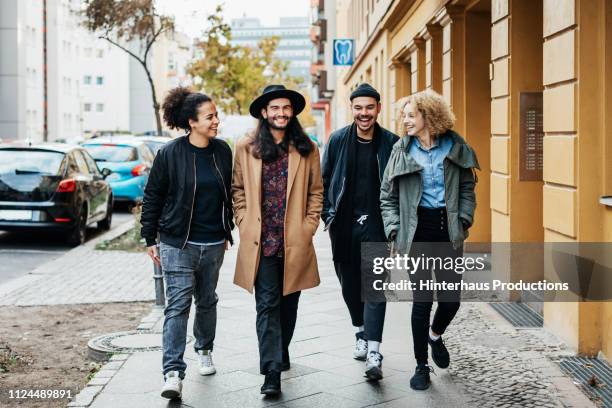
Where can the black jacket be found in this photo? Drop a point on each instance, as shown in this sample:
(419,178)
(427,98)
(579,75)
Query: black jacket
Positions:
(170,192)
(334,167)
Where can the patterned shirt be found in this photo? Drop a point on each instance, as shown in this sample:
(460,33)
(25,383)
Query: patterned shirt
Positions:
(274,197)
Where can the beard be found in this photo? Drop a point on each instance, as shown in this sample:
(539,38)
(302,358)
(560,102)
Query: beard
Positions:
(275,126)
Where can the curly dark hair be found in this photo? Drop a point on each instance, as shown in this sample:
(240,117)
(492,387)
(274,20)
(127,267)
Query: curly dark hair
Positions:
(264,147)
(180,105)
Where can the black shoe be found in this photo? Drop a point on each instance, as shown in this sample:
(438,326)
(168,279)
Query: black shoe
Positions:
(271,385)
(420,380)
(439,353)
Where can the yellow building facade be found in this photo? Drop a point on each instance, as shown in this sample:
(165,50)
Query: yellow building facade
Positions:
(507,67)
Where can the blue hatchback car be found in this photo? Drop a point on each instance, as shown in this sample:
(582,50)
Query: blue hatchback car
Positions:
(129,160)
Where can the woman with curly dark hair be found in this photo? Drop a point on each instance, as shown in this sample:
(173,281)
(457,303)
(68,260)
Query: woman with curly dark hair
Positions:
(278,197)
(187,202)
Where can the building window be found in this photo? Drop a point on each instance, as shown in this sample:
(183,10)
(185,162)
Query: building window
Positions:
(87,107)
(100,53)
(87,52)
(87,80)
(99,80)
(99,107)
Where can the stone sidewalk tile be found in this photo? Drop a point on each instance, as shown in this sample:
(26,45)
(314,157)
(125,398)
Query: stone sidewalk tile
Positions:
(84,275)
(86,396)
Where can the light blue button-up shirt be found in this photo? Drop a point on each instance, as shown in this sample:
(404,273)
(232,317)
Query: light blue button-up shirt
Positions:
(432,161)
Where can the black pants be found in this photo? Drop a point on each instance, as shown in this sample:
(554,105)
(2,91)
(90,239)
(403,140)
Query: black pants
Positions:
(432,228)
(371,315)
(276,314)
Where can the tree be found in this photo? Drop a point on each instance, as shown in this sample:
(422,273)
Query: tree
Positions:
(233,75)
(134,22)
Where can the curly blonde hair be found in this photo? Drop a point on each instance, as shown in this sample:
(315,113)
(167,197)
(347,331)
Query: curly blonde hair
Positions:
(436,112)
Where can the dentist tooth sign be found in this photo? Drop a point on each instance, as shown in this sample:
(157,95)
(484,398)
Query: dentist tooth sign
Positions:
(344,52)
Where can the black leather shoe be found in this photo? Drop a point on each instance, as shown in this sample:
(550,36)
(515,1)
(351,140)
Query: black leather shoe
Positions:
(420,380)
(439,353)
(271,385)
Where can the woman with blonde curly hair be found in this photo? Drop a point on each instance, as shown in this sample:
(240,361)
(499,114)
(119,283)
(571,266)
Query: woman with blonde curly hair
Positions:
(427,202)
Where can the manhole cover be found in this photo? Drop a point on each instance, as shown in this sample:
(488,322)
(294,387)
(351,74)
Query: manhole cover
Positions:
(125,342)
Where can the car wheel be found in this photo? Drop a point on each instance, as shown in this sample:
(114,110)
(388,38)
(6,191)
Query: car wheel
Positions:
(77,235)
(134,205)
(105,224)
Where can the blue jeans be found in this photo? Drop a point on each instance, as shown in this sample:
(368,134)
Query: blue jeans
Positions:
(193,271)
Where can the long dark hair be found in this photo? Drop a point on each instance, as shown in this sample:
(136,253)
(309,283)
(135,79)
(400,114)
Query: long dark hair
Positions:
(264,147)
(180,105)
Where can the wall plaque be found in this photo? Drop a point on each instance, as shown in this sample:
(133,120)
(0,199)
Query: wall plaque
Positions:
(531,156)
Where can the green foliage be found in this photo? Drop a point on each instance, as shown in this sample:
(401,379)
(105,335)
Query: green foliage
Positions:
(234,75)
(130,240)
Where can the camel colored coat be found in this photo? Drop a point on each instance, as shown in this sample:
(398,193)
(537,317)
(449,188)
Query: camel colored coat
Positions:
(302,213)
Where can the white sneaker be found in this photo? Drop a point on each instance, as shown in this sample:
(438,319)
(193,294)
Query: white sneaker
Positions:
(205,362)
(361,348)
(374,366)
(173,386)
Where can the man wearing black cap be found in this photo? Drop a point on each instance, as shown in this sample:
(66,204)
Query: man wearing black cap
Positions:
(353,166)
(278,197)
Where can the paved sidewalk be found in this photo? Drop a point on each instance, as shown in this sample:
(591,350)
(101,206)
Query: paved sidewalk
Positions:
(493,364)
(84,275)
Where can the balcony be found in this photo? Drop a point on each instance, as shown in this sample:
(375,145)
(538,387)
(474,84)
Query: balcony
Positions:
(318,5)
(318,31)
(317,53)
(315,68)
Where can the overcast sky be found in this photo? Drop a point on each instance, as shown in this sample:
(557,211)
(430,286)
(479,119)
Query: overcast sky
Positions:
(190,15)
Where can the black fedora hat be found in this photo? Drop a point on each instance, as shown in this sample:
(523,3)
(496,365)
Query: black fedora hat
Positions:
(274,92)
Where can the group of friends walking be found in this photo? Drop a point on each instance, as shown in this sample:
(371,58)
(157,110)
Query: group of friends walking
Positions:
(370,186)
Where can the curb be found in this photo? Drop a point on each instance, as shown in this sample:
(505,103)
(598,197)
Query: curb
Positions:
(87,395)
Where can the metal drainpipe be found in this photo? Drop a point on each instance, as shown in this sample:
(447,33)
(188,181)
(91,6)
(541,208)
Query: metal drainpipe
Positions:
(45,74)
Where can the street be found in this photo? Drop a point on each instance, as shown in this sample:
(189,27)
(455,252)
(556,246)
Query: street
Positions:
(20,252)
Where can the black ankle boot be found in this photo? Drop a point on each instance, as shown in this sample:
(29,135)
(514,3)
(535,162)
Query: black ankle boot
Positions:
(420,380)
(271,385)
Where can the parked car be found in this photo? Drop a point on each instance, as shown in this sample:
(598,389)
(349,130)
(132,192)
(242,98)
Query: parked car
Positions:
(129,159)
(53,186)
(155,142)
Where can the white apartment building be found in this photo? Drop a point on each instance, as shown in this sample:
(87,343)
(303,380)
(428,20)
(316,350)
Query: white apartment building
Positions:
(91,85)
(21,70)
(170,58)
(105,88)
(88,83)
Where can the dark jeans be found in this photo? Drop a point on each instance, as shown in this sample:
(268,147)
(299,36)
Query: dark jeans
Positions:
(193,271)
(432,227)
(276,314)
(371,315)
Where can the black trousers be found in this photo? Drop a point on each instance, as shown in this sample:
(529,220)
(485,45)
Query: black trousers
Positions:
(371,315)
(432,228)
(276,314)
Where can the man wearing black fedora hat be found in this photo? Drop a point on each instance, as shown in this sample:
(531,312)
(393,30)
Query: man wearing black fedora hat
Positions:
(353,166)
(278,197)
